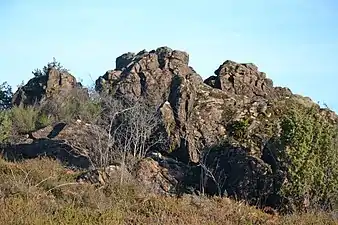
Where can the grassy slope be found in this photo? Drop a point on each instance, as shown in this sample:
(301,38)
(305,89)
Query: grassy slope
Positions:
(41,191)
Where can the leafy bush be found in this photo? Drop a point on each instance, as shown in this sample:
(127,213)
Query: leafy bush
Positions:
(43,120)
(27,119)
(5,126)
(310,155)
(77,105)
(238,128)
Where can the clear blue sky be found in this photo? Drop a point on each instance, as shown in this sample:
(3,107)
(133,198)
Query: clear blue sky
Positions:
(294,41)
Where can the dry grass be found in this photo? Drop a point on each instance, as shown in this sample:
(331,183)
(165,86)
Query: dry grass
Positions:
(41,191)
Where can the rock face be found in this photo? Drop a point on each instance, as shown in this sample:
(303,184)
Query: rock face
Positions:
(244,79)
(151,74)
(103,176)
(196,113)
(55,84)
(161,174)
(159,76)
(67,143)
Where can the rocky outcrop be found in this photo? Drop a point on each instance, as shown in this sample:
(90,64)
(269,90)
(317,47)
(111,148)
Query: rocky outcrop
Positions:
(159,76)
(221,130)
(67,143)
(229,171)
(245,79)
(159,174)
(55,84)
(147,74)
(239,105)
(196,113)
(103,176)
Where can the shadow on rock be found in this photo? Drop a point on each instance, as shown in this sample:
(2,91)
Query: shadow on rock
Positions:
(56,130)
(230,171)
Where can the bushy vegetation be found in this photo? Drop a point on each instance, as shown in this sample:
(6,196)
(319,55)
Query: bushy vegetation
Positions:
(302,141)
(26,119)
(238,128)
(76,105)
(42,191)
(310,153)
(5,103)
(122,130)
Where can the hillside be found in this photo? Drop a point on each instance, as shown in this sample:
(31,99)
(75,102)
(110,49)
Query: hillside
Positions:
(154,143)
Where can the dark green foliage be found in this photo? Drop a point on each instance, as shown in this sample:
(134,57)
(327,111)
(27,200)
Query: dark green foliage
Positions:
(77,105)
(51,65)
(310,154)
(238,128)
(5,96)
(28,119)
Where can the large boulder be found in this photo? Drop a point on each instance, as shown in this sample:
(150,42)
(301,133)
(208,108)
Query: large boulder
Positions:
(161,174)
(67,143)
(231,171)
(146,74)
(245,79)
(56,84)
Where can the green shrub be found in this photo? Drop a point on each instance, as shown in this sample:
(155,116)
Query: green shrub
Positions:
(42,121)
(74,108)
(90,110)
(68,109)
(77,105)
(5,126)
(238,128)
(26,119)
(310,153)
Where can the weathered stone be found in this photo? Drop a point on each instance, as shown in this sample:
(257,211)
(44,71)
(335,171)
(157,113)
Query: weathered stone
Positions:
(162,175)
(55,84)
(244,79)
(65,142)
(124,60)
